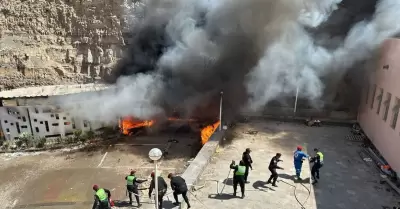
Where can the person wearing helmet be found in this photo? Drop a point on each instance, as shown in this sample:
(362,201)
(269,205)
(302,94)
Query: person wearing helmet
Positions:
(162,188)
(298,157)
(238,176)
(132,187)
(178,185)
(246,158)
(101,198)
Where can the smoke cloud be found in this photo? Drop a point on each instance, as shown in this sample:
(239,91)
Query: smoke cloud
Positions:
(183,53)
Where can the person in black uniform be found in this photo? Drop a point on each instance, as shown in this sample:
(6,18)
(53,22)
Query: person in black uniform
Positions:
(318,161)
(132,187)
(246,158)
(238,176)
(178,185)
(162,188)
(273,165)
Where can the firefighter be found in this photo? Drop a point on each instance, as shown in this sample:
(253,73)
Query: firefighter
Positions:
(318,162)
(178,185)
(101,198)
(238,176)
(162,188)
(298,157)
(246,158)
(273,165)
(132,187)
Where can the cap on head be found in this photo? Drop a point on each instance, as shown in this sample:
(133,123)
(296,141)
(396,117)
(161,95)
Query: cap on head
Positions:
(133,172)
(152,174)
(315,149)
(248,150)
(278,154)
(170,175)
(95,187)
(299,148)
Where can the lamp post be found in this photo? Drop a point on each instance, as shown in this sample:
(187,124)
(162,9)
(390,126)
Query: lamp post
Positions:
(295,101)
(155,154)
(220,111)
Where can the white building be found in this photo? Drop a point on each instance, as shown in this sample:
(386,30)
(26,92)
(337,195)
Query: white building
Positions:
(28,110)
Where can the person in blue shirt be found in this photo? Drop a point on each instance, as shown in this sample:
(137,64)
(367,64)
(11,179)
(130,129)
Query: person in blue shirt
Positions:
(299,156)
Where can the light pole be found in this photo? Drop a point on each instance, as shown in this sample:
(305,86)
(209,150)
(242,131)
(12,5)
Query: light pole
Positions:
(155,154)
(295,101)
(220,112)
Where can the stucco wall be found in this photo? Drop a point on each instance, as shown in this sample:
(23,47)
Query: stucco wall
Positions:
(381,131)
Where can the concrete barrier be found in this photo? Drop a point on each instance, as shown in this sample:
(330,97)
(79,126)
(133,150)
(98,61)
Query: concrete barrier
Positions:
(200,162)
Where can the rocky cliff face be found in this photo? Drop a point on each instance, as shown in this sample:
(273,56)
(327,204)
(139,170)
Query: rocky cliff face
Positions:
(46,42)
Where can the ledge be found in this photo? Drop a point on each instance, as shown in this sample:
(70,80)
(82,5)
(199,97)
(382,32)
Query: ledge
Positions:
(200,162)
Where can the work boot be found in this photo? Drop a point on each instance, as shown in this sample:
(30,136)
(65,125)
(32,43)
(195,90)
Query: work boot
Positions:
(274,185)
(314,182)
(247,182)
(234,193)
(188,206)
(139,205)
(268,182)
(242,196)
(317,177)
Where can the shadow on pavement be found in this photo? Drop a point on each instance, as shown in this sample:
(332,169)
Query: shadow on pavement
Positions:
(293,178)
(228,181)
(262,185)
(222,196)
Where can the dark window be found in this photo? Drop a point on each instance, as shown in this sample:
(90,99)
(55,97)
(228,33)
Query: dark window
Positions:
(18,129)
(52,115)
(64,118)
(5,121)
(47,126)
(37,129)
(34,120)
(373,96)
(54,124)
(379,98)
(387,105)
(12,124)
(7,130)
(67,123)
(41,122)
(85,123)
(24,118)
(19,118)
(395,112)
(24,126)
(36,110)
(386,67)
(57,116)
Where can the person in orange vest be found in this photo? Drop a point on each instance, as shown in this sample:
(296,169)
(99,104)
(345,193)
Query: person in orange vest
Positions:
(101,198)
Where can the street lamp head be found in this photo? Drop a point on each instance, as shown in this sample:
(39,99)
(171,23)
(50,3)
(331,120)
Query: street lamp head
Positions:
(155,154)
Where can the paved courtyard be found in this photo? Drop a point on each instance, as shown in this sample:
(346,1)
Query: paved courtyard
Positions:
(346,181)
(63,179)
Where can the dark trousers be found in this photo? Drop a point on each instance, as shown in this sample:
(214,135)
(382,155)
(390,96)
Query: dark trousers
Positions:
(131,189)
(274,176)
(104,205)
(238,180)
(315,170)
(246,173)
(160,198)
(184,195)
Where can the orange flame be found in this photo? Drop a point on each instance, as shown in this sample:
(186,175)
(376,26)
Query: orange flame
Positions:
(128,123)
(208,131)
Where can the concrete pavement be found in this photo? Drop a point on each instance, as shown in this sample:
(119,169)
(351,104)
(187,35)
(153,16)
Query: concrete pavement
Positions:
(346,181)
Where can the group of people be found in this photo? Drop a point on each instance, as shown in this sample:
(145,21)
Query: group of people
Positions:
(178,185)
(241,171)
(240,175)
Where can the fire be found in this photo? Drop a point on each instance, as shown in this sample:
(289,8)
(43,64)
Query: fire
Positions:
(128,123)
(208,131)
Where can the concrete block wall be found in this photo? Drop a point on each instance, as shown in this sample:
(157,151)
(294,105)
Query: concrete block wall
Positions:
(41,121)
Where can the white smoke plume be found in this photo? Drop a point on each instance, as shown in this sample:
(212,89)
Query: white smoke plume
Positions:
(185,51)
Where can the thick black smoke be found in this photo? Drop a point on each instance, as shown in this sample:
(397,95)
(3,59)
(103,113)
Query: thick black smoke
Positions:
(181,54)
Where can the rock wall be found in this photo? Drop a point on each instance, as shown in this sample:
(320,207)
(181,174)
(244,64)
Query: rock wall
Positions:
(46,42)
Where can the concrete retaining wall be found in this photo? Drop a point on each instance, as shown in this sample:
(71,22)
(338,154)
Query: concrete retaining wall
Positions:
(198,165)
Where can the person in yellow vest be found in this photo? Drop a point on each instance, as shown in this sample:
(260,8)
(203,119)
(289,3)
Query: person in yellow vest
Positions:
(238,176)
(101,198)
(318,161)
(132,187)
